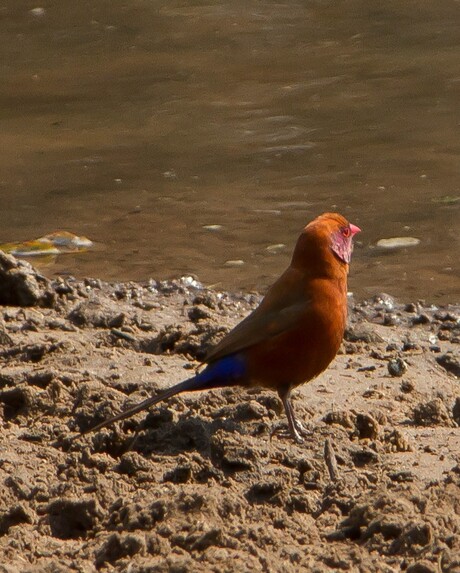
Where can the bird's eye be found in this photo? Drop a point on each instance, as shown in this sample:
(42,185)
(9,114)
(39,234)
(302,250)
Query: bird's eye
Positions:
(346,232)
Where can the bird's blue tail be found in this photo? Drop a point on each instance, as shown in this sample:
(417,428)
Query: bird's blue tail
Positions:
(228,371)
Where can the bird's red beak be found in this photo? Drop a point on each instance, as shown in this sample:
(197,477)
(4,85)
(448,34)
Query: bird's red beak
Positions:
(354,229)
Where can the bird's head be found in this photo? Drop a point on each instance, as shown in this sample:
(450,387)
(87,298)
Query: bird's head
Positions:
(325,242)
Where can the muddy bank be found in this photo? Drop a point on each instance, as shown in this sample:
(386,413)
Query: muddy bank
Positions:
(203,487)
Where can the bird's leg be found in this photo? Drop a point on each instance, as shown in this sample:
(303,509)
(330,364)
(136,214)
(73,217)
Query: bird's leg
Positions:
(296,429)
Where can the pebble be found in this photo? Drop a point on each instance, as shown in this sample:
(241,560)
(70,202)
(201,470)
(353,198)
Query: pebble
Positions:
(391,319)
(268,211)
(275,248)
(38,12)
(397,367)
(409,346)
(383,301)
(421,319)
(234,263)
(213,227)
(398,242)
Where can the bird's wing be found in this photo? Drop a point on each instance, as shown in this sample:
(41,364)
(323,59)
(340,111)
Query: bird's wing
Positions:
(284,305)
(260,325)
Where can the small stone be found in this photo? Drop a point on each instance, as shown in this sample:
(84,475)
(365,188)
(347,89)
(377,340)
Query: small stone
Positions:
(397,367)
(234,263)
(391,319)
(383,301)
(213,227)
(38,12)
(408,346)
(421,319)
(275,248)
(398,242)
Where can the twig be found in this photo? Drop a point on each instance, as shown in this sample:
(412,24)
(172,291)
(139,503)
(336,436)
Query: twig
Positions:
(330,459)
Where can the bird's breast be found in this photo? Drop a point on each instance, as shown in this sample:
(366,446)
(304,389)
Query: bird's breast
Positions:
(303,351)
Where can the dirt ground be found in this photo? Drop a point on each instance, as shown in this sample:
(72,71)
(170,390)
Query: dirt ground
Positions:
(204,487)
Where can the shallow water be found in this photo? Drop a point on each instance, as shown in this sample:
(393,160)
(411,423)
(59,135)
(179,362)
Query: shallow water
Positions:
(139,124)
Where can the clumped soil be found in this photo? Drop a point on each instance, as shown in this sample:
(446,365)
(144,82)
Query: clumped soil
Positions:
(198,483)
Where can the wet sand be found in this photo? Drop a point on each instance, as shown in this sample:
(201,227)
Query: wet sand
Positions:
(204,487)
(141,124)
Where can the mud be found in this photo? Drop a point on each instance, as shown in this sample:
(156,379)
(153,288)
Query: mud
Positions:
(197,483)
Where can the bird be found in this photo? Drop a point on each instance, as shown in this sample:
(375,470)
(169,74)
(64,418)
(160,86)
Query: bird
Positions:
(294,333)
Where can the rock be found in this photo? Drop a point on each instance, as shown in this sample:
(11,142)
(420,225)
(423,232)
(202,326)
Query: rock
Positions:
(397,367)
(22,285)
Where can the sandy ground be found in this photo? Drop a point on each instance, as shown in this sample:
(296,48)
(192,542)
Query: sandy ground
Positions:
(204,487)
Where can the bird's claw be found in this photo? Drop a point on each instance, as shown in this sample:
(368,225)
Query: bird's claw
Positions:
(297,432)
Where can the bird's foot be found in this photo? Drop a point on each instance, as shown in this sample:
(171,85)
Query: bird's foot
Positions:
(299,432)
(296,432)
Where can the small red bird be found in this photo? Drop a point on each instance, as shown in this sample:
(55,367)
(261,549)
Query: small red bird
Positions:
(295,332)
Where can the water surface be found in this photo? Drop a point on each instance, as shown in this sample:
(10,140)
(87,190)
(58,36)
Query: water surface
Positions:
(141,123)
